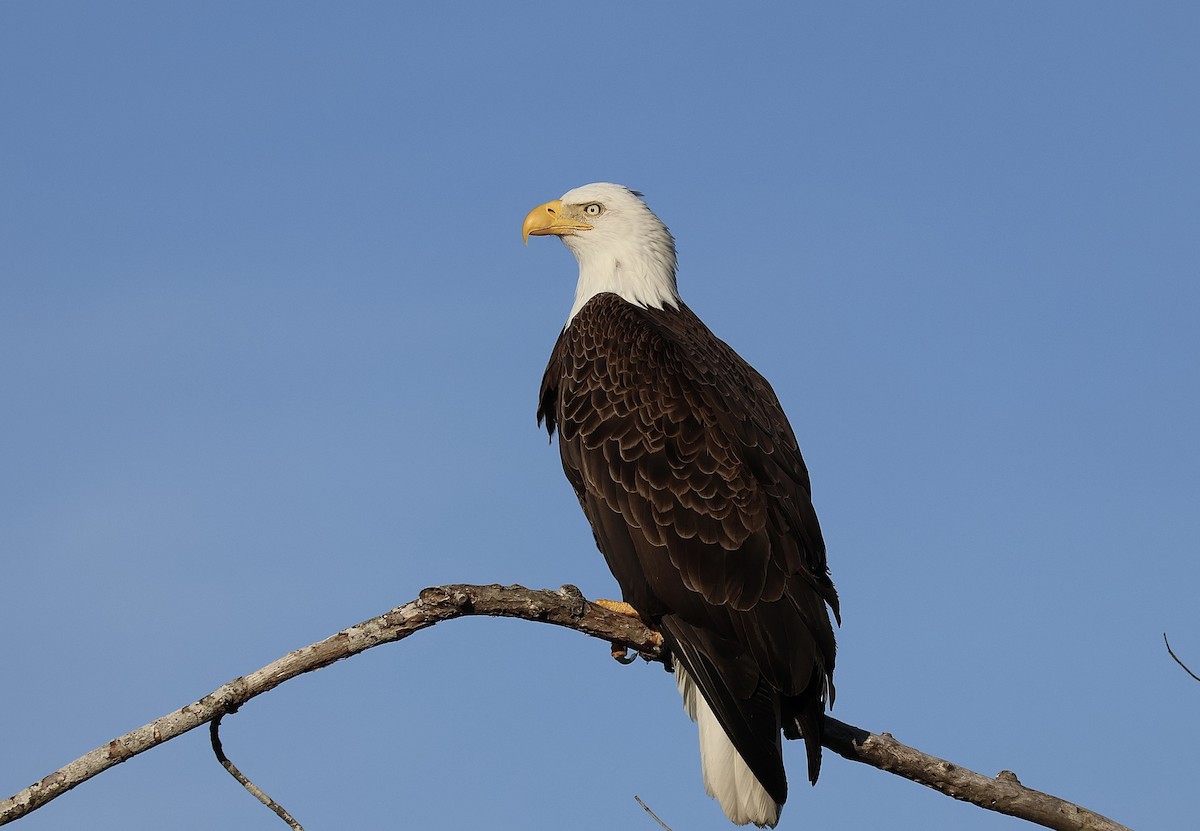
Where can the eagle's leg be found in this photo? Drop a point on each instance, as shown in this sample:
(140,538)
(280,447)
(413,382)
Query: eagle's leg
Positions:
(619,652)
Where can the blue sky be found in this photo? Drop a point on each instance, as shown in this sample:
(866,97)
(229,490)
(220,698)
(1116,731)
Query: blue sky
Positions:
(270,347)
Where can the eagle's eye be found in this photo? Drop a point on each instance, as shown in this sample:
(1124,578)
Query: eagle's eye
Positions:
(593,209)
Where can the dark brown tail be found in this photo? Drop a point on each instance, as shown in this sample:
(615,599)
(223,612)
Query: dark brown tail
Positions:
(808,724)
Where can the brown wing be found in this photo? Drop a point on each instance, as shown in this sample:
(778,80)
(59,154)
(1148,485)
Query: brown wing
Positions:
(685,465)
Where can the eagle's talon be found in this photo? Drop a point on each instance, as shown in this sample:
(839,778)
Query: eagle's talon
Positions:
(621,655)
(623,608)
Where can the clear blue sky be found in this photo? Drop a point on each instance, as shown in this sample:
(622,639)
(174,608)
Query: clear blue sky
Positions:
(270,347)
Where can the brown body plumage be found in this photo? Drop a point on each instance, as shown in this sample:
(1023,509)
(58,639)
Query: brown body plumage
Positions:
(685,465)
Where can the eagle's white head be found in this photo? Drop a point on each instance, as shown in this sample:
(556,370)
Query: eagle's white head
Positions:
(621,246)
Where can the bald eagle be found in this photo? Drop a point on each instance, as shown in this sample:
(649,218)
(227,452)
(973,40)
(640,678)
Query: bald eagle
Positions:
(690,475)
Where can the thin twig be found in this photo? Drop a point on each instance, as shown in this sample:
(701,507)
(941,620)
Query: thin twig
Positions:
(565,607)
(1176,657)
(651,813)
(214,733)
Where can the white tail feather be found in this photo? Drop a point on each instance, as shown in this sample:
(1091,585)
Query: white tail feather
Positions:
(727,777)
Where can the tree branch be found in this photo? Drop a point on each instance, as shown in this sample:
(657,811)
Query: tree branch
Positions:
(565,607)
(1171,652)
(1004,794)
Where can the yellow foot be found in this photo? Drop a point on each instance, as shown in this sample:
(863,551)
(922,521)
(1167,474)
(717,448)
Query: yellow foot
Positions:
(619,606)
(622,608)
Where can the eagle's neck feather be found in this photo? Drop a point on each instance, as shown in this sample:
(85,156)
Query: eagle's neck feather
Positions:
(642,274)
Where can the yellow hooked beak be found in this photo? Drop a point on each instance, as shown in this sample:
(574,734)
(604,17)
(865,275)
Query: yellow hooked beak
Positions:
(552,219)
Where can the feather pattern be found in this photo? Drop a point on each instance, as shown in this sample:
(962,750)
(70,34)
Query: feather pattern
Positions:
(689,473)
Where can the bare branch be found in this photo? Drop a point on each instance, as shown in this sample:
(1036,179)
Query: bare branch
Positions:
(214,735)
(1004,794)
(1171,652)
(565,607)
